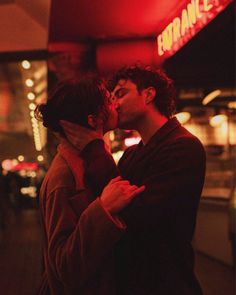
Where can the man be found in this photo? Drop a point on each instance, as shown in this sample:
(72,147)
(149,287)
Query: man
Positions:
(155,255)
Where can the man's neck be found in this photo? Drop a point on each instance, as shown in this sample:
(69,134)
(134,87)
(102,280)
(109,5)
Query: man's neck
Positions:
(150,125)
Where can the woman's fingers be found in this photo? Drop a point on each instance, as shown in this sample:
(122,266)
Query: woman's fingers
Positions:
(138,190)
(134,190)
(117,178)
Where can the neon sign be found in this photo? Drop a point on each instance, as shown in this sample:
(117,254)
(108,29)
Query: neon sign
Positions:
(196,15)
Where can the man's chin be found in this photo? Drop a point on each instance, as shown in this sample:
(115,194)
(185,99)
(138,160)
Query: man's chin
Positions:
(110,127)
(121,125)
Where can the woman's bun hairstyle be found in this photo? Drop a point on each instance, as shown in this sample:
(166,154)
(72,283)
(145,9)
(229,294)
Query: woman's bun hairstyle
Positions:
(73,100)
(47,115)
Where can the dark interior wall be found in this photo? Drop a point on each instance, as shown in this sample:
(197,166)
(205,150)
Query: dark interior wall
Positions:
(14,144)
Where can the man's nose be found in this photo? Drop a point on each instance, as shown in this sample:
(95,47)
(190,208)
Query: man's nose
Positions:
(114,101)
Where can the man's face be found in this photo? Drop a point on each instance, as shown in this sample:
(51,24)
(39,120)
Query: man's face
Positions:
(130,104)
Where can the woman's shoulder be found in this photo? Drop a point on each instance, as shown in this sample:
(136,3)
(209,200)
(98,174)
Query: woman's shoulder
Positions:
(59,175)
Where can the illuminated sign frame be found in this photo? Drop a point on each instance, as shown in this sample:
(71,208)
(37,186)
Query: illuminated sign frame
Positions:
(195,16)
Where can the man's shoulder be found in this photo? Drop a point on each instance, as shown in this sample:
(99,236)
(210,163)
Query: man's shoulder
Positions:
(184,136)
(184,145)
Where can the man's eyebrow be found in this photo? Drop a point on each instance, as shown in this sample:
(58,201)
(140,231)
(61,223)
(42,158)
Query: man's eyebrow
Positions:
(115,92)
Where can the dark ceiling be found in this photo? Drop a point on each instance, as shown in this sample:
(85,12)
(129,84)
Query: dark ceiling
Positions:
(75,20)
(206,60)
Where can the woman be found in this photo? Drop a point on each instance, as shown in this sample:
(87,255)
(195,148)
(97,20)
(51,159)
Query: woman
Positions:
(80,229)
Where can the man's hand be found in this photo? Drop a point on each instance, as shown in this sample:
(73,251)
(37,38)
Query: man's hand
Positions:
(118,194)
(77,135)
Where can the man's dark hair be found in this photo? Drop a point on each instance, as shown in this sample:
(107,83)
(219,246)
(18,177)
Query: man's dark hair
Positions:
(145,77)
(73,100)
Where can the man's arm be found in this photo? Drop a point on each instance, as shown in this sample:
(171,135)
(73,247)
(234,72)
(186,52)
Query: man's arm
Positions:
(173,181)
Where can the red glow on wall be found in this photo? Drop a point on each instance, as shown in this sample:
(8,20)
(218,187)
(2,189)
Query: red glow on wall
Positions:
(195,16)
(114,55)
(5,104)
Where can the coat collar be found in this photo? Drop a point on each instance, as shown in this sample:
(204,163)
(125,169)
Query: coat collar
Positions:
(161,133)
(136,160)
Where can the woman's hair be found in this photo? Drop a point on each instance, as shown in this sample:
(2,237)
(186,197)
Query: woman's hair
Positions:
(73,100)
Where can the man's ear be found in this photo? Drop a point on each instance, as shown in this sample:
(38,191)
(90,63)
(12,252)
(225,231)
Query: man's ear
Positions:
(150,93)
(92,121)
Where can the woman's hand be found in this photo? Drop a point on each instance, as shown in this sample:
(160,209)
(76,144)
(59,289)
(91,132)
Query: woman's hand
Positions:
(118,194)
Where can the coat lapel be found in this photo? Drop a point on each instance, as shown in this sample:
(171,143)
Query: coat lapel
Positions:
(134,165)
(75,162)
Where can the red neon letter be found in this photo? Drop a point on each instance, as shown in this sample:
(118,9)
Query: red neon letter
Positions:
(184,22)
(207,6)
(198,14)
(160,45)
(176,29)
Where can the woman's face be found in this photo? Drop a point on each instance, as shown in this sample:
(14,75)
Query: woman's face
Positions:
(107,118)
(111,118)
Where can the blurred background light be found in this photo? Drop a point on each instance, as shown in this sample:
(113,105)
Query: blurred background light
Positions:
(31,96)
(25,64)
(40,158)
(211,96)
(21,158)
(32,106)
(217,120)
(29,82)
(129,141)
(183,117)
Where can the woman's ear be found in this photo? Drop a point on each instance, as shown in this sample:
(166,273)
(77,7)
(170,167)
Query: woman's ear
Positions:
(150,93)
(92,121)
(96,122)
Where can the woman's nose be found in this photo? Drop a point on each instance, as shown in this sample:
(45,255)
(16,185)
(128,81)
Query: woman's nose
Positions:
(116,104)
